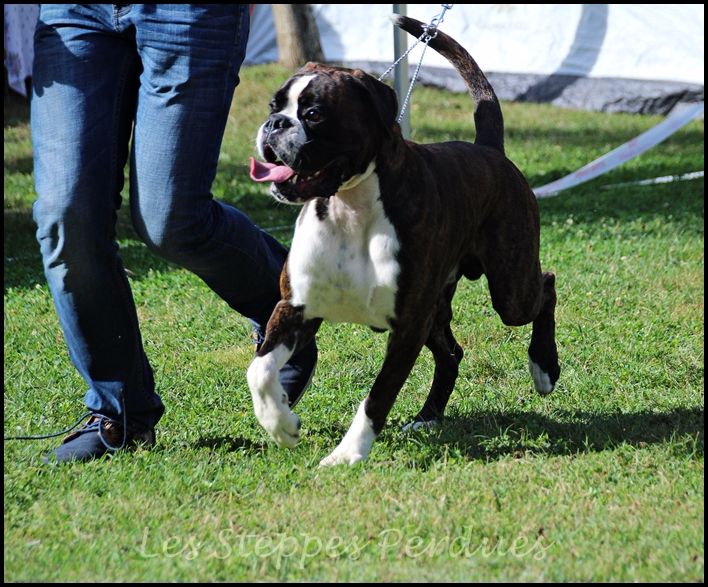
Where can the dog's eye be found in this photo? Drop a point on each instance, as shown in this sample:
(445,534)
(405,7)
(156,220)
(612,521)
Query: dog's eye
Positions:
(272,106)
(313,115)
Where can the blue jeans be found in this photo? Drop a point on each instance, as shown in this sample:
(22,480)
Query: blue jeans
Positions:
(166,73)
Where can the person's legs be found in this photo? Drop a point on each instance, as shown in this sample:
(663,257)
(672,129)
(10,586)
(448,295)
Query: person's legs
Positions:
(173,69)
(191,56)
(84,86)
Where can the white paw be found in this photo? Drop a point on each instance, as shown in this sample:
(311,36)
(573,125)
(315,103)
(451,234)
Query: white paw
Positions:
(270,402)
(541,380)
(422,426)
(341,457)
(356,444)
(281,423)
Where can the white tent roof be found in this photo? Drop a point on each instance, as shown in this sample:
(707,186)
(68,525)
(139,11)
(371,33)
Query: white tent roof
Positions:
(640,42)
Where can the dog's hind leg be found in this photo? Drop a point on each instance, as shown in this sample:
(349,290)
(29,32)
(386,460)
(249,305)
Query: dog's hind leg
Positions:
(286,333)
(543,354)
(530,297)
(448,355)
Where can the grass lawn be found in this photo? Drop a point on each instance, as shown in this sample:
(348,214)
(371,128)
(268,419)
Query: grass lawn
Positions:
(600,481)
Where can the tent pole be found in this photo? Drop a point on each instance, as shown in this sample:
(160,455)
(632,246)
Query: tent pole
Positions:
(400,83)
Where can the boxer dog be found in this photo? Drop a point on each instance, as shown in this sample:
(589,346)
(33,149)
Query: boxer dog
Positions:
(386,230)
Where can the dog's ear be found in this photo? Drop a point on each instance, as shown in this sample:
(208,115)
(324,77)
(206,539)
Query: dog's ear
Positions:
(381,96)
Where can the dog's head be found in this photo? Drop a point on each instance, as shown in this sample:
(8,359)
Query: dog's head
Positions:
(325,127)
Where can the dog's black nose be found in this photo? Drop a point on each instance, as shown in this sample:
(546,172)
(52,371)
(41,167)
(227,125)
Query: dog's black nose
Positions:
(278,122)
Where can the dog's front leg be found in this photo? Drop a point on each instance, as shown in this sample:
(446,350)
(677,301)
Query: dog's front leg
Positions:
(401,353)
(286,333)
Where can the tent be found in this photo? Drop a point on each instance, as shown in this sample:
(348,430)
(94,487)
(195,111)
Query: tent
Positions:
(641,58)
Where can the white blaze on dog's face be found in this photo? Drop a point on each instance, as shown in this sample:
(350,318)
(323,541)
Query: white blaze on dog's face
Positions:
(313,142)
(290,114)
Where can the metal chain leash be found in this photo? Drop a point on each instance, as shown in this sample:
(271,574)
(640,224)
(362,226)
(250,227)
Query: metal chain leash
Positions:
(430,31)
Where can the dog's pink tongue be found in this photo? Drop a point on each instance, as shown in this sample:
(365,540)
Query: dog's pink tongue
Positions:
(261,171)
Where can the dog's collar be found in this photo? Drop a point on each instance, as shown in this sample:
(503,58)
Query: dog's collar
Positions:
(354,181)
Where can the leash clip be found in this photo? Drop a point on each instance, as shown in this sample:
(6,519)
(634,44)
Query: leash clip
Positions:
(426,37)
(430,31)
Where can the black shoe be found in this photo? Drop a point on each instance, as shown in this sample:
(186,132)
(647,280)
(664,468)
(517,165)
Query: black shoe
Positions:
(296,375)
(100,435)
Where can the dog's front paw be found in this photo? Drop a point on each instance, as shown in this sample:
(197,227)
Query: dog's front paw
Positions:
(278,420)
(282,425)
(270,404)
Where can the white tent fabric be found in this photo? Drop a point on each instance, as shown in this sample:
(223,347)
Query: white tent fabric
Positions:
(641,57)
(20,21)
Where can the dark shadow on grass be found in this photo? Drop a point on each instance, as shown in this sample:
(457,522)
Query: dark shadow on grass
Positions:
(231,444)
(18,165)
(16,110)
(494,435)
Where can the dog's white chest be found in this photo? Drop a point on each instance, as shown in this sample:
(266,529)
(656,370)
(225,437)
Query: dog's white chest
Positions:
(343,267)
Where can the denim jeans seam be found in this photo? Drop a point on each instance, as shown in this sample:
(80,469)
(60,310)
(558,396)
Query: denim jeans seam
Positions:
(138,376)
(238,50)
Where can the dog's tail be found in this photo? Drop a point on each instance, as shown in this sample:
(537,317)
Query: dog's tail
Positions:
(487,115)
